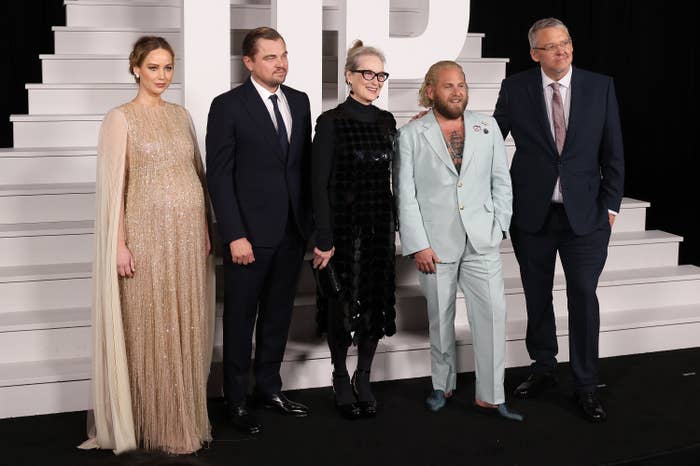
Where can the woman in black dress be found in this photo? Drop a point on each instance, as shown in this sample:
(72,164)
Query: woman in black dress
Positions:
(355,226)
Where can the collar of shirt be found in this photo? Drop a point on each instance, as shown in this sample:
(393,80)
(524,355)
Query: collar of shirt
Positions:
(264,93)
(564,81)
(282,104)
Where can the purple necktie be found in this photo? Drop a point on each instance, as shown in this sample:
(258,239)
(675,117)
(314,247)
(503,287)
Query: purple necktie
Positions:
(558,118)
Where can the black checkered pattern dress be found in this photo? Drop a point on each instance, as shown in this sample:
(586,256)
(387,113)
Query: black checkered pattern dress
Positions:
(360,221)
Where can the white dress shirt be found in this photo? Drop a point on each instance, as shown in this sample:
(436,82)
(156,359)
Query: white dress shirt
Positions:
(281,103)
(564,88)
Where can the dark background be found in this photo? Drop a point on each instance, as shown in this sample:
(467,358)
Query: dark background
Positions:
(650,48)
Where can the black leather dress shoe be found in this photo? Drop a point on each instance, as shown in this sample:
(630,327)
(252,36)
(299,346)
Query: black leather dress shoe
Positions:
(535,384)
(591,407)
(284,405)
(242,420)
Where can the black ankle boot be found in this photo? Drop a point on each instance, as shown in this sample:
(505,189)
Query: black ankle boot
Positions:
(343,397)
(363,391)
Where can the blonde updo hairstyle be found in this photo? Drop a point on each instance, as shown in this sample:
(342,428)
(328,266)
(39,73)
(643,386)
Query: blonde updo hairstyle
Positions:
(431,80)
(142,47)
(357,50)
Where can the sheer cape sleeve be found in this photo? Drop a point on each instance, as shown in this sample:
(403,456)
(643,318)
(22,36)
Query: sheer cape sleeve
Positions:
(112,419)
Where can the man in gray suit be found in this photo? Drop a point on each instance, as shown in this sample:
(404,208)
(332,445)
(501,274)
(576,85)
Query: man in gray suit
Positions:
(454,201)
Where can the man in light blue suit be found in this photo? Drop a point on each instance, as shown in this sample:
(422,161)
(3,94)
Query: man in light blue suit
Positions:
(455,202)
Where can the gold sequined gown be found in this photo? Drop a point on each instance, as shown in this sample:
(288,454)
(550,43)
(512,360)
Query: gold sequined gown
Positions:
(164,305)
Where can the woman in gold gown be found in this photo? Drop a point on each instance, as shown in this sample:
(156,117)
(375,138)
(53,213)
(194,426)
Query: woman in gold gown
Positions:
(153,294)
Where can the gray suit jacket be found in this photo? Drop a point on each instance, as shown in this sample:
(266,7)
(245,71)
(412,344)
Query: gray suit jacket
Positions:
(437,205)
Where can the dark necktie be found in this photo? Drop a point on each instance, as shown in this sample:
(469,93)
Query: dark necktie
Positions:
(558,118)
(281,128)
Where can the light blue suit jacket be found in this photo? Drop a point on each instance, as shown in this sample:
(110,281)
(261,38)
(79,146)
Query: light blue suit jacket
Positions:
(438,206)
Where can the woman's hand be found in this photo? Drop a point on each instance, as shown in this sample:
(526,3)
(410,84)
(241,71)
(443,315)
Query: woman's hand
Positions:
(321,258)
(125,261)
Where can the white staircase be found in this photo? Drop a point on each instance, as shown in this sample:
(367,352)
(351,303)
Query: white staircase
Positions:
(47,186)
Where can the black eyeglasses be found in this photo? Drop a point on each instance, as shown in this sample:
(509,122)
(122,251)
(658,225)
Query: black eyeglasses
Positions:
(370,75)
(550,48)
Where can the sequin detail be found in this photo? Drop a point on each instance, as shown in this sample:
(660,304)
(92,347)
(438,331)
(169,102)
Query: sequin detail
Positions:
(164,304)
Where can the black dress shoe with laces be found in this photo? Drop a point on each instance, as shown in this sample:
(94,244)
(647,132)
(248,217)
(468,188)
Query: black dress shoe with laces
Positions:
(591,408)
(284,405)
(535,384)
(243,421)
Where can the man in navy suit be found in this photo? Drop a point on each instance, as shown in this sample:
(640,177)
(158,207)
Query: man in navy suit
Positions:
(258,153)
(568,176)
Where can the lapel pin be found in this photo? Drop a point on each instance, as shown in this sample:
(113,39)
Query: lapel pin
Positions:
(476,128)
(486,131)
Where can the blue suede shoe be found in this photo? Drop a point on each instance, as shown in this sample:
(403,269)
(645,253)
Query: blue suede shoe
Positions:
(499,410)
(436,400)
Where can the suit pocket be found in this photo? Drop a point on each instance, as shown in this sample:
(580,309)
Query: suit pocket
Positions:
(488,205)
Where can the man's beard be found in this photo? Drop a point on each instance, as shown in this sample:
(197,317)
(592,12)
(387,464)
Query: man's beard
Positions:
(275,81)
(451,112)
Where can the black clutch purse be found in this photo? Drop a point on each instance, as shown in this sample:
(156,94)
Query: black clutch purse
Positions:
(327,280)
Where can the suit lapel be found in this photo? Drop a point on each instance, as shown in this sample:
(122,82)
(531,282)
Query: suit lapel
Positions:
(294,109)
(540,108)
(576,89)
(436,140)
(261,117)
(469,141)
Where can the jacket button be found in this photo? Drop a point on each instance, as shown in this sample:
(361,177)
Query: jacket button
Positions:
(461,207)
(459,185)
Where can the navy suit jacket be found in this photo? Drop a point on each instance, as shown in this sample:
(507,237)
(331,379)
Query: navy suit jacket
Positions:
(253,186)
(591,166)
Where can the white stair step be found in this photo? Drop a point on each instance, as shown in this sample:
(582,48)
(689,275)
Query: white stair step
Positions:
(44,320)
(624,289)
(46,243)
(44,387)
(406,354)
(18,230)
(36,208)
(26,273)
(31,166)
(82,68)
(111,41)
(45,295)
(627,250)
(46,189)
(472,46)
(484,70)
(55,130)
(119,40)
(36,203)
(123,13)
(633,214)
(41,372)
(48,169)
(41,345)
(73,99)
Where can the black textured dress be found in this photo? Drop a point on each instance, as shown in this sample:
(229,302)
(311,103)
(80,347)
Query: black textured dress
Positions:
(354,211)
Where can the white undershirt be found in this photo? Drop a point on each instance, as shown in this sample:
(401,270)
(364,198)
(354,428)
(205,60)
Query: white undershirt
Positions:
(281,103)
